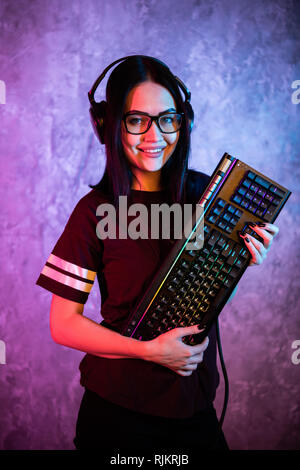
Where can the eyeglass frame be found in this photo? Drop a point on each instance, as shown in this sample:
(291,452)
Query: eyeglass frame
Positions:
(152,118)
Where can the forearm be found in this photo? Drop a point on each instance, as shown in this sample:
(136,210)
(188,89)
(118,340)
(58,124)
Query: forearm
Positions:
(79,332)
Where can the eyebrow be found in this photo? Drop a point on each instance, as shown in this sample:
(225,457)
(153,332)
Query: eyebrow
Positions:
(136,111)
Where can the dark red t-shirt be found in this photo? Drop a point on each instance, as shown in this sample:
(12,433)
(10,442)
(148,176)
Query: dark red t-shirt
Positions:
(124,269)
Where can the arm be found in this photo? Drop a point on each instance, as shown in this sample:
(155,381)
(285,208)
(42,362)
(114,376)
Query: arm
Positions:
(70,328)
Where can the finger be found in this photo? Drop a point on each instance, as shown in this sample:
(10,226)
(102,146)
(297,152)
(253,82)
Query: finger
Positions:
(264,234)
(196,359)
(273,229)
(199,348)
(187,330)
(184,373)
(256,256)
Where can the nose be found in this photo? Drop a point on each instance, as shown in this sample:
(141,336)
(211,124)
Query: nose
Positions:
(153,133)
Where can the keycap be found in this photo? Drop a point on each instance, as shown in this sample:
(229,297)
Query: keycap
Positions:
(227,250)
(277,191)
(269,213)
(214,237)
(238,213)
(230,209)
(261,192)
(237,199)
(262,182)
(221,202)
(251,175)
(221,224)
(246,183)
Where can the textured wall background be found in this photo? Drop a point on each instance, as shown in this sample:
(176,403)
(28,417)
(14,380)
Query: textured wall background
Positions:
(239,58)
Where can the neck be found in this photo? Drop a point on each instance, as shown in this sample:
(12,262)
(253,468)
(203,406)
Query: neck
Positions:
(147,182)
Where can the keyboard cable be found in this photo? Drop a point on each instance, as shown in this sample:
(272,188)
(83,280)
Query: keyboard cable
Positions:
(226,383)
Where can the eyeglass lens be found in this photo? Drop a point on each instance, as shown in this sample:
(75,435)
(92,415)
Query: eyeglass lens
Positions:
(138,124)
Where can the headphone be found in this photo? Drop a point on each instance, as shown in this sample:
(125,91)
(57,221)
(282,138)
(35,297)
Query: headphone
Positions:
(98,109)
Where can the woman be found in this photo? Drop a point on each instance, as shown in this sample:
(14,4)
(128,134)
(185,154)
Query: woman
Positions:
(140,394)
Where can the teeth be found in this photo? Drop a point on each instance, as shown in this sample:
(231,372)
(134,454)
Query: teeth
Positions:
(152,151)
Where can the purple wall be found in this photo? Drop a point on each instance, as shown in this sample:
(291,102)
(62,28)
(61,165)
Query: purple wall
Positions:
(239,58)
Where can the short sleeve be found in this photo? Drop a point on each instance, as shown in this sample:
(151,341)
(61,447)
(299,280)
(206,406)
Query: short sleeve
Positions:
(72,266)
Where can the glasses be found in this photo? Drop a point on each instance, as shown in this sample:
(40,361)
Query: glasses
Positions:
(139,123)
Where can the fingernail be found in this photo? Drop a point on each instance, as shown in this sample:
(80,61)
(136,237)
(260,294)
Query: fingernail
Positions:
(247,239)
(261,224)
(252,224)
(200,328)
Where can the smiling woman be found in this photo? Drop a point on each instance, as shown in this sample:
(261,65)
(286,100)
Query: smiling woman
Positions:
(153,394)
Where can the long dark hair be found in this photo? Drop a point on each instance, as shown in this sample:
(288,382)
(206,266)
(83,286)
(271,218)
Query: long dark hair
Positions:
(117,177)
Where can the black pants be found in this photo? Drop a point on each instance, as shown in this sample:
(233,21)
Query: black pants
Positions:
(104,425)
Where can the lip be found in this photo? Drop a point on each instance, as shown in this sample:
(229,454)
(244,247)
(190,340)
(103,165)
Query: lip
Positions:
(149,151)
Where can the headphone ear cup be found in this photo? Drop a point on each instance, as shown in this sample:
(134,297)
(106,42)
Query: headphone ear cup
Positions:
(190,114)
(97,115)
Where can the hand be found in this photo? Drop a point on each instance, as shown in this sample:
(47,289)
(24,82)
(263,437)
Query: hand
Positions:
(168,350)
(259,250)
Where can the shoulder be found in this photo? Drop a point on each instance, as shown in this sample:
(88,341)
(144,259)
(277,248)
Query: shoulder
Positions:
(85,209)
(196,182)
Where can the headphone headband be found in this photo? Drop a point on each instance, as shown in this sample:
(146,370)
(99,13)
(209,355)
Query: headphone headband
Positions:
(92,91)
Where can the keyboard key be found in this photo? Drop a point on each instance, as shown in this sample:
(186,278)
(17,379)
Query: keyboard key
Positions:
(221,202)
(260,212)
(250,175)
(217,210)
(214,237)
(256,200)
(228,281)
(227,250)
(277,191)
(249,195)
(234,220)
(212,219)
(245,204)
(269,213)
(246,183)
(262,182)
(276,201)
(232,257)
(242,191)
(269,197)
(261,192)
(254,187)
(221,225)
(234,272)
(238,213)
(263,205)
(237,199)
(252,208)
(227,217)
(228,229)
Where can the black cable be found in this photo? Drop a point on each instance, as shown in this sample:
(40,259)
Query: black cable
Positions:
(226,383)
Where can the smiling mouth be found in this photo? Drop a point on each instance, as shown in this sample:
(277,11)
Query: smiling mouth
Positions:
(152,151)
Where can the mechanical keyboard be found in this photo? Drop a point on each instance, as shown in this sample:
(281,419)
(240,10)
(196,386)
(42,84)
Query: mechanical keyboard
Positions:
(193,285)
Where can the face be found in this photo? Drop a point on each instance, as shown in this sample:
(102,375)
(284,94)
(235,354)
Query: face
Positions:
(153,99)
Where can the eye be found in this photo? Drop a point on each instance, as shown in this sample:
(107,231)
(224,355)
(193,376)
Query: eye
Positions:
(167,119)
(133,120)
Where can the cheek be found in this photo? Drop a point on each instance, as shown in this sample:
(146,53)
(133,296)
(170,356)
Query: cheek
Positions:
(128,140)
(172,139)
